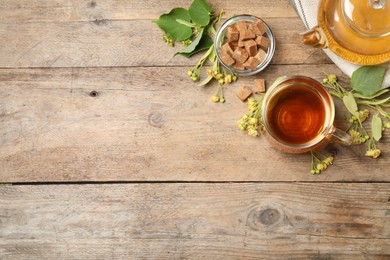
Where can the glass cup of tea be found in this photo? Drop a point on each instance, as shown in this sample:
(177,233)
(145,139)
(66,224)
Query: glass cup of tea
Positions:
(298,115)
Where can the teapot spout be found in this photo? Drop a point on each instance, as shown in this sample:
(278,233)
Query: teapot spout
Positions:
(315,37)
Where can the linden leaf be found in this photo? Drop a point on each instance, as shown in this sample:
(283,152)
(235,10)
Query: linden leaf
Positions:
(205,81)
(350,104)
(212,59)
(374,102)
(201,43)
(376,94)
(168,23)
(367,80)
(200,12)
(188,24)
(376,125)
(190,48)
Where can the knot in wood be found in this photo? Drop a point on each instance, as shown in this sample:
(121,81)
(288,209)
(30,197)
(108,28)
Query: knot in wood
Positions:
(258,218)
(94,93)
(92,4)
(269,216)
(156,119)
(99,20)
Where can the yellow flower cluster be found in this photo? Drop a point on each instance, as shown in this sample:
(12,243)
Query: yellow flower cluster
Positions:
(319,165)
(186,42)
(330,79)
(374,153)
(252,120)
(168,40)
(216,99)
(363,115)
(193,75)
(222,78)
(357,137)
(372,150)
(386,125)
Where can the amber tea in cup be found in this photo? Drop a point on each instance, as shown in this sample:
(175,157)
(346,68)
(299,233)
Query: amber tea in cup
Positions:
(298,115)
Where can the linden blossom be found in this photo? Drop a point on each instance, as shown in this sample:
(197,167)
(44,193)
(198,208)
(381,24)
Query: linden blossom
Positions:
(320,162)
(380,121)
(194,28)
(251,121)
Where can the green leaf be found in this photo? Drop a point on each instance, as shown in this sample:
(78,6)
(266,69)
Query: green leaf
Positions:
(204,43)
(376,94)
(367,80)
(336,94)
(350,104)
(376,125)
(188,24)
(205,81)
(190,48)
(212,30)
(374,102)
(212,56)
(200,12)
(168,23)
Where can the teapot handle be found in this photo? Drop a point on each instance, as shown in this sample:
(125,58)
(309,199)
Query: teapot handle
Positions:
(315,37)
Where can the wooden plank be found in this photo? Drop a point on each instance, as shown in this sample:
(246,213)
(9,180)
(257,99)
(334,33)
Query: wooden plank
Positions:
(104,43)
(74,10)
(149,124)
(196,221)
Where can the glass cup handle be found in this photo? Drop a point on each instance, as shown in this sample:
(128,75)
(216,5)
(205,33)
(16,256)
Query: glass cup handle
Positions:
(339,136)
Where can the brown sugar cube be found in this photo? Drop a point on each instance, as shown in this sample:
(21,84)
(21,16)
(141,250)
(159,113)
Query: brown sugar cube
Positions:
(251,47)
(227,49)
(232,33)
(244,92)
(261,54)
(241,25)
(239,66)
(233,45)
(259,27)
(240,55)
(263,42)
(227,59)
(241,44)
(250,27)
(246,35)
(251,63)
(259,86)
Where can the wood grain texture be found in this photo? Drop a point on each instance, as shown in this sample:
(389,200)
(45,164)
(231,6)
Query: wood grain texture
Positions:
(104,43)
(195,221)
(90,93)
(89,10)
(148,124)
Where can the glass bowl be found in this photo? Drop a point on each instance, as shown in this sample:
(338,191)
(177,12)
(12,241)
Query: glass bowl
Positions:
(220,40)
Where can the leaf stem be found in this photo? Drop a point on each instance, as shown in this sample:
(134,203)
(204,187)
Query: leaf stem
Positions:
(183,22)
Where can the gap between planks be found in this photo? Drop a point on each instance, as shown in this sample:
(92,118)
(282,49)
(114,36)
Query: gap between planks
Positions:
(188,182)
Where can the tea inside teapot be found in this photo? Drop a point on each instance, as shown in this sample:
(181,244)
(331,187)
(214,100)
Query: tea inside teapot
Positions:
(356,30)
(367,18)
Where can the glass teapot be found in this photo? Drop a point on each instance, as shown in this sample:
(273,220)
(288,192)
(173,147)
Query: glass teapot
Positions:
(355,30)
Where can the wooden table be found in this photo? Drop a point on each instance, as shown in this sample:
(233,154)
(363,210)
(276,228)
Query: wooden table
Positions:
(109,151)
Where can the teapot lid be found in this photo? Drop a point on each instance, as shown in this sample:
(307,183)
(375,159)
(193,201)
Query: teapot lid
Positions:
(369,18)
